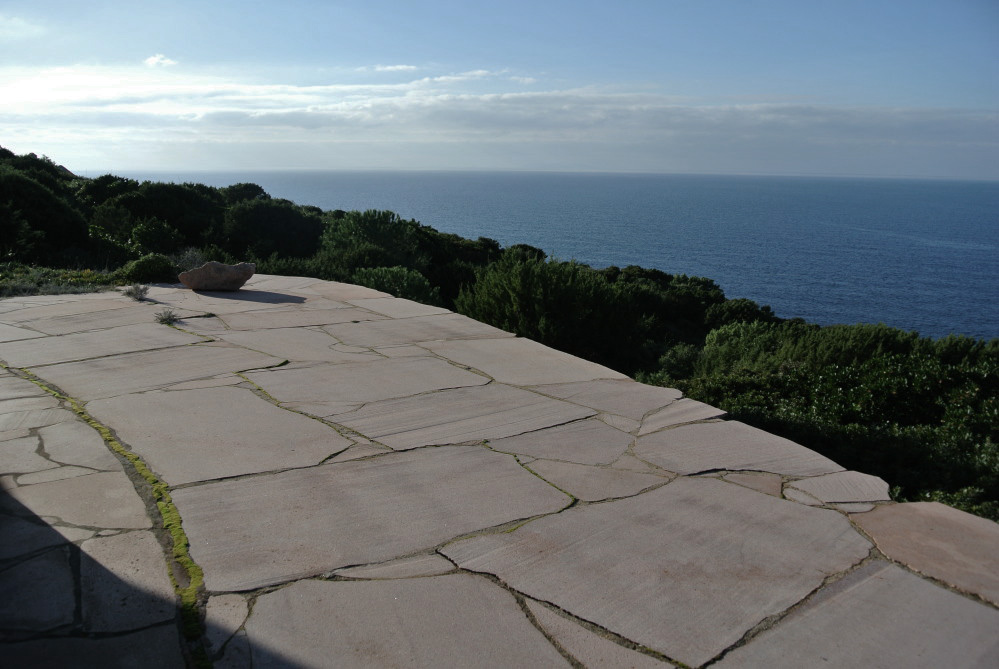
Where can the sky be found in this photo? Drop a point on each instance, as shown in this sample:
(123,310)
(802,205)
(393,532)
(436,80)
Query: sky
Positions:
(880,88)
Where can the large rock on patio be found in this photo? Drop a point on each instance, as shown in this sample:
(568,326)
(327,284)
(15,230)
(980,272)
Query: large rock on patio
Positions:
(218,276)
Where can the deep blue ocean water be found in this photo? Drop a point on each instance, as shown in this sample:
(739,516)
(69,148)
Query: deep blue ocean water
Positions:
(914,254)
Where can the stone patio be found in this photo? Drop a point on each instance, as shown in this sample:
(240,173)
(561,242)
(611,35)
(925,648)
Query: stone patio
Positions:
(366,481)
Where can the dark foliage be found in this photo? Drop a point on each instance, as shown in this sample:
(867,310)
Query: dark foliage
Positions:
(922,414)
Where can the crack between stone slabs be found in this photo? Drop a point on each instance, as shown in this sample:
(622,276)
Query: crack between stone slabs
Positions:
(76,632)
(342,430)
(772,621)
(152,491)
(587,625)
(102,357)
(926,577)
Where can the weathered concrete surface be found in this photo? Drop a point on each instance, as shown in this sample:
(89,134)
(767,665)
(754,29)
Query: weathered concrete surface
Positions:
(457,416)
(458,621)
(587,442)
(225,432)
(587,647)
(83,581)
(844,487)
(934,539)
(719,560)
(356,512)
(367,480)
(690,449)
(844,626)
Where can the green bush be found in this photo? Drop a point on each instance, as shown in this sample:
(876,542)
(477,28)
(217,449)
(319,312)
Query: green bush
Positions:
(399,281)
(923,415)
(152,268)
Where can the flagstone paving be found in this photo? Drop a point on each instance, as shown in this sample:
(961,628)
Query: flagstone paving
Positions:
(367,481)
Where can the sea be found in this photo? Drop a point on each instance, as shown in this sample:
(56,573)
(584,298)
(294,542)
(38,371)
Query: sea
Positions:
(920,255)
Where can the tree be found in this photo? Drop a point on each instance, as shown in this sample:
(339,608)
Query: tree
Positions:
(262,227)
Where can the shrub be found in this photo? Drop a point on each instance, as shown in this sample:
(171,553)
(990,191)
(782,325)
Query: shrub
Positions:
(152,268)
(136,291)
(167,317)
(400,281)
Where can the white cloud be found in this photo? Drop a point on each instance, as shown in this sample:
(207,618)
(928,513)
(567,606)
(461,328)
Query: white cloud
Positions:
(395,68)
(159,60)
(477,118)
(14,28)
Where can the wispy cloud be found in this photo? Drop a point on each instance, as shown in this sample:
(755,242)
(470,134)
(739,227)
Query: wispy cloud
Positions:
(444,119)
(159,60)
(13,28)
(395,68)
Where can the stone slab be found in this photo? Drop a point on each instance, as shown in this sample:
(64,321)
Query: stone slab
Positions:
(224,615)
(33,418)
(335,290)
(846,486)
(224,303)
(140,313)
(354,383)
(95,344)
(878,616)
(360,451)
(474,624)
(458,416)
(22,536)
(679,412)
(588,648)
(685,569)
(55,474)
(105,499)
(42,401)
(351,513)
(430,564)
(13,333)
(934,539)
(295,344)
(37,594)
(224,432)
(622,397)
(12,387)
(149,370)
(587,442)
(295,318)
(19,456)
(630,463)
(771,484)
(154,648)
(731,445)
(397,307)
(73,442)
(521,362)
(801,497)
(63,305)
(593,484)
(124,583)
(392,332)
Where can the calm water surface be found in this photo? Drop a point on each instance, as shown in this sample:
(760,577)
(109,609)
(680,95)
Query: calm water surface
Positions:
(918,255)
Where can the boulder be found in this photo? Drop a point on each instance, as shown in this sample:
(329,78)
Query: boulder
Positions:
(218,276)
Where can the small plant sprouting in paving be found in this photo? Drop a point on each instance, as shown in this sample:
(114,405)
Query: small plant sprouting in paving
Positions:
(136,291)
(167,317)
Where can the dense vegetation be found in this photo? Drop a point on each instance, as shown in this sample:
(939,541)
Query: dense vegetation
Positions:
(922,414)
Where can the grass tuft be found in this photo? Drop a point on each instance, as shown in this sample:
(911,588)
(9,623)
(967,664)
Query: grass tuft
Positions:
(136,291)
(167,317)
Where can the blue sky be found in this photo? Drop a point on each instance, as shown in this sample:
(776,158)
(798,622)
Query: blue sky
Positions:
(872,87)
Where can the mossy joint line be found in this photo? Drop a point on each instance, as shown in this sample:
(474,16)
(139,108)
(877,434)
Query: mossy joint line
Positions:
(169,515)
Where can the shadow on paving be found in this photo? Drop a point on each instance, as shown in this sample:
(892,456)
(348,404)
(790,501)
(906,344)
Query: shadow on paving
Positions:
(262,296)
(60,607)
